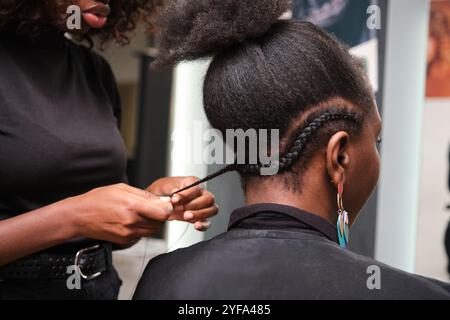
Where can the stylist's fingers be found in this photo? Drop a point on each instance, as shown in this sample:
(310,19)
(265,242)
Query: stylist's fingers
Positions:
(136,191)
(194,215)
(140,221)
(146,232)
(188,195)
(136,233)
(206,200)
(152,208)
(202,225)
(199,215)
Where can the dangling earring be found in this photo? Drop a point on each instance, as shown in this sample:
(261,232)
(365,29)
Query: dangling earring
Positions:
(342,221)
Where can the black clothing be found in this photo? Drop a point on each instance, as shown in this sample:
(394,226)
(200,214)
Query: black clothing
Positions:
(277,252)
(104,287)
(49,265)
(266,217)
(59,135)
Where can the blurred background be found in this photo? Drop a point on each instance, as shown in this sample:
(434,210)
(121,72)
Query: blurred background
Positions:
(405,45)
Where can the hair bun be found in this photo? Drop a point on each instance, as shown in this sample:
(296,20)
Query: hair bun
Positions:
(193,29)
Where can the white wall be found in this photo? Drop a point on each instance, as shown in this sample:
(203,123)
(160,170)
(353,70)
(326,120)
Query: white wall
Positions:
(186,112)
(404,98)
(431,259)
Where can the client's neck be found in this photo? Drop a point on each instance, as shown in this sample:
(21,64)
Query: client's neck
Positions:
(314,201)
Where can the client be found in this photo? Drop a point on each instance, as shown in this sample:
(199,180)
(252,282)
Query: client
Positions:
(289,241)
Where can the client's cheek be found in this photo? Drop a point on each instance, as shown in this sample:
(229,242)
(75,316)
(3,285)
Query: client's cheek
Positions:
(375,168)
(362,183)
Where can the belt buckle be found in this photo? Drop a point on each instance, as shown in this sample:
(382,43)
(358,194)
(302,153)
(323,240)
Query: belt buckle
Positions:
(78,260)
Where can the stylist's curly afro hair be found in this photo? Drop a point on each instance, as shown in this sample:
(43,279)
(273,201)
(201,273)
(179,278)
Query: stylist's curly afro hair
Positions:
(31,17)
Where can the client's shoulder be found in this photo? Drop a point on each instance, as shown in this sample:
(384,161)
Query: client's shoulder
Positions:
(166,271)
(382,280)
(266,264)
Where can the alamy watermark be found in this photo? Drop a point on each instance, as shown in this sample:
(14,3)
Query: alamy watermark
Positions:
(374,280)
(74,279)
(74,17)
(374,19)
(202,145)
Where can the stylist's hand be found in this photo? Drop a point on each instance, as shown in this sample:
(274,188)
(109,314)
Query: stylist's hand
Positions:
(118,213)
(194,205)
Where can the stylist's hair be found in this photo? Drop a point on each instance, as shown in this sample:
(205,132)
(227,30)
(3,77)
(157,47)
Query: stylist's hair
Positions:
(268,73)
(31,17)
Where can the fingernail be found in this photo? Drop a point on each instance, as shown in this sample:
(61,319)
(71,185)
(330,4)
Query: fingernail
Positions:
(169,209)
(175,199)
(206,224)
(165,199)
(188,215)
(198,225)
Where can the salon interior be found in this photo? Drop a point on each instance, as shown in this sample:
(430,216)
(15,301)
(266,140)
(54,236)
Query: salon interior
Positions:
(404,44)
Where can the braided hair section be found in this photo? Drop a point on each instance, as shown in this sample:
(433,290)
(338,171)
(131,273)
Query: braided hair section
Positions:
(300,143)
(229,168)
(294,152)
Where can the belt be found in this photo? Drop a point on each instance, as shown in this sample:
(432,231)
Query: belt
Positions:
(89,262)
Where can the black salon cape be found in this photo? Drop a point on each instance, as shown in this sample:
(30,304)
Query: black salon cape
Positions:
(278,252)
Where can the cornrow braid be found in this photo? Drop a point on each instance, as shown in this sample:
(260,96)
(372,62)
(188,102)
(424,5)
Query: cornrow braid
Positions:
(294,151)
(299,144)
(229,168)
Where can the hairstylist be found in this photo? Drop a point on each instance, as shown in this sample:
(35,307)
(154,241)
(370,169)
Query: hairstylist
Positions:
(63,195)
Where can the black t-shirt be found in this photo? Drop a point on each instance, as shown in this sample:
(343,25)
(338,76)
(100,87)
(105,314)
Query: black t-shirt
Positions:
(59,114)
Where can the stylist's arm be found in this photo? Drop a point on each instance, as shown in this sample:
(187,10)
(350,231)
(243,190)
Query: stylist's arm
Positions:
(118,213)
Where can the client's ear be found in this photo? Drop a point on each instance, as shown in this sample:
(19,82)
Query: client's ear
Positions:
(338,158)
